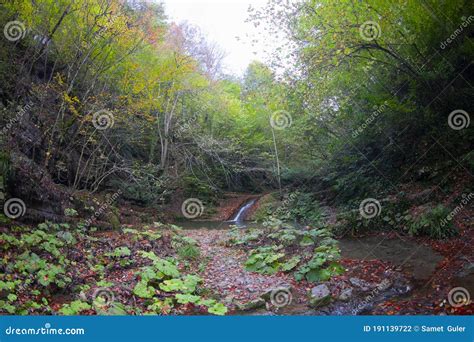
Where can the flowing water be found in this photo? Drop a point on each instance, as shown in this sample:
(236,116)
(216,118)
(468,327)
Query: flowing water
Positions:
(414,259)
(418,260)
(238,218)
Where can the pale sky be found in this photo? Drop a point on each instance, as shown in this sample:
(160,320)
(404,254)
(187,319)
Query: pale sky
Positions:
(222,21)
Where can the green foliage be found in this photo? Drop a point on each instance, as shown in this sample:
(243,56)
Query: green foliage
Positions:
(265,260)
(297,206)
(301,207)
(236,236)
(143,290)
(161,268)
(163,275)
(44,271)
(317,258)
(147,189)
(435,223)
(74,308)
(71,212)
(195,187)
(322,266)
(119,252)
(185,247)
(398,215)
(186,285)
(217,309)
(149,234)
(50,226)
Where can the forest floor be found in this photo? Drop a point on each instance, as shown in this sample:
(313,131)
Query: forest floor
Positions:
(369,285)
(226,275)
(408,293)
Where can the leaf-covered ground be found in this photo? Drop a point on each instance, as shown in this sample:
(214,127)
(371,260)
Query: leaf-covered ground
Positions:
(160,269)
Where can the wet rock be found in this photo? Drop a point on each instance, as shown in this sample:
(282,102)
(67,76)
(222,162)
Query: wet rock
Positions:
(229,299)
(345,294)
(466,270)
(252,305)
(360,283)
(384,285)
(320,296)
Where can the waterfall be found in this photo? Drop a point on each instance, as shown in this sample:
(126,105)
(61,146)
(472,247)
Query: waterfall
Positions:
(238,218)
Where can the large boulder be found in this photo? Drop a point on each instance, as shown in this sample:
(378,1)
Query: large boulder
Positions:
(31,183)
(360,283)
(346,294)
(252,305)
(320,296)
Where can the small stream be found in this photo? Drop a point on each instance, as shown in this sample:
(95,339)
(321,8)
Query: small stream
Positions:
(418,262)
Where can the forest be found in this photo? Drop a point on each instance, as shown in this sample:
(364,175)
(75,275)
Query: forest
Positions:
(138,177)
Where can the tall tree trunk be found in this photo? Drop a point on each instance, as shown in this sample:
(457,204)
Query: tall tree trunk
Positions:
(277,160)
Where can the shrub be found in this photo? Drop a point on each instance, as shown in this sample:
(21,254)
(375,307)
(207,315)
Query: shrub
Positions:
(434,223)
(273,249)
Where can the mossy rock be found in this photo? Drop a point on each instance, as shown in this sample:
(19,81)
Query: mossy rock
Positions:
(319,296)
(252,305)
(316,303)
(113,219)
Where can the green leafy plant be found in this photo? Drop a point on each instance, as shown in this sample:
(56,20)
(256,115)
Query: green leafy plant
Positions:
(186,247)
(149,234)
(74,308)
(71,212)
(265,260)
(436,223)
(119,252)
